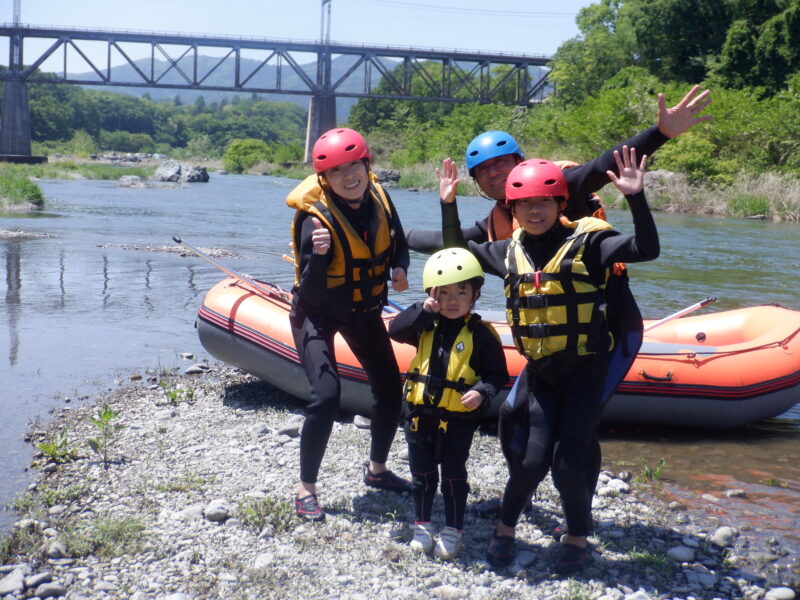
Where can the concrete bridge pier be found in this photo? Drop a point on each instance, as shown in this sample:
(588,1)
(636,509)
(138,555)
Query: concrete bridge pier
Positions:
(15,124)
(15,127)
(321,118)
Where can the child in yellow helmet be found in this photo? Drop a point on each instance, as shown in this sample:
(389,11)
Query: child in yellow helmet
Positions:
(459,367)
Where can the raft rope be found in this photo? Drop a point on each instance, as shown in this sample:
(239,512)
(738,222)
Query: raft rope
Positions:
(693,353)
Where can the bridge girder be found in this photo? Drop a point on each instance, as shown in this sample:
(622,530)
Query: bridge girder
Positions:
(178,61)
(448,76)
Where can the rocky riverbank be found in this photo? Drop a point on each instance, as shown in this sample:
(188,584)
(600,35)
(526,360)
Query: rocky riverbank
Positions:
(179,487)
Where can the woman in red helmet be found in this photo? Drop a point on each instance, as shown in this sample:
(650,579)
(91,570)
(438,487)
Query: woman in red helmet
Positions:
(348,244)
(555,274)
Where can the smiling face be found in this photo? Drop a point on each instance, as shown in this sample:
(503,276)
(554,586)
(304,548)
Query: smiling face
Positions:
(491,175)
(455,299)
(348,180)
(536,215)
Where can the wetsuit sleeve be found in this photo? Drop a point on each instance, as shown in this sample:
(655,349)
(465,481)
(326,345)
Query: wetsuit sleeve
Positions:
(642,246)
(590,177)
(491,255)
(313,267)
(489,362)
(429,240)
(401,257)
(407,326)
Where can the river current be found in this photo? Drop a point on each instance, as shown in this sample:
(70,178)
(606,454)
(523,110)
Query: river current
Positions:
(90,301)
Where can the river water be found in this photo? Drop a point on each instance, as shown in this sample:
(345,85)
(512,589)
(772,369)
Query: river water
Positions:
(88,303)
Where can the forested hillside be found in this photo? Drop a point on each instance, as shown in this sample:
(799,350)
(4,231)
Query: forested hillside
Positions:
(607,80)
(70,119)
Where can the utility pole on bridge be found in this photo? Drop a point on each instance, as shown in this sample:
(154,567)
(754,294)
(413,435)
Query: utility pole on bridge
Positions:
(322,107)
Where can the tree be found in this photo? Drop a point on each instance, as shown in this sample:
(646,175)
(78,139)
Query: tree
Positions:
(581,65)
(778,48)
(678,38)
(244,153)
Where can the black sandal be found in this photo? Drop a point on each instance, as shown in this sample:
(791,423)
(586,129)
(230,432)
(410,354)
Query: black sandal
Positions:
(308,508)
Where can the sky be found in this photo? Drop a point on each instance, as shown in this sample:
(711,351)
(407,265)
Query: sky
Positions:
(535,27)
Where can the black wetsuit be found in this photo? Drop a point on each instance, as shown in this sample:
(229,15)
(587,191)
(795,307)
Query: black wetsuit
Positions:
(582,181)
(428,445)
(316,316)
(552,421)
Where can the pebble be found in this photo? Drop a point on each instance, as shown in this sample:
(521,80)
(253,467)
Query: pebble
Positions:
(780,593)
(230,456)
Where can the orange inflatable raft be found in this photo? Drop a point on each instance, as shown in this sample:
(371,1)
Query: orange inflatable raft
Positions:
(718,370)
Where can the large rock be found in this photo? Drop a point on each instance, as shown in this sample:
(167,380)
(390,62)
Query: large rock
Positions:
(169,170)
(173,171)
(194,174)
(387,175)
(130,181)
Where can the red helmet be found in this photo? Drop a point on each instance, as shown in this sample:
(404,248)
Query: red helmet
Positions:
(338,146)
(534,178)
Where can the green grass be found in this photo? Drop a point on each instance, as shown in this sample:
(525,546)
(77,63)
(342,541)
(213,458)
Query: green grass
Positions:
(105,537)
(20,543)
(658,562)
(90,170)
(257,513)
(650,473)
(45,497)
(16,188)
(773,482)
(748,205)
(57,448)
(185,483)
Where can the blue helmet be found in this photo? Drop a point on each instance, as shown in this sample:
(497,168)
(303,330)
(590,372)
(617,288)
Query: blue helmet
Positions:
(490,144)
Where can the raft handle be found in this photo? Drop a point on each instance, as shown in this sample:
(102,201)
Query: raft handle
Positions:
(646,375)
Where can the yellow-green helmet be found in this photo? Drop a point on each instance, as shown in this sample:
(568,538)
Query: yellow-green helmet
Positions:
(450,265)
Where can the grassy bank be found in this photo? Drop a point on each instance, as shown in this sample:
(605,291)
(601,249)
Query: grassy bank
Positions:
(68,169)
(16,190)
(769,196)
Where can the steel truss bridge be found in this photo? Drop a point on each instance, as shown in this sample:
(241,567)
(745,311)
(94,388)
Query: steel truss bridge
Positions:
(238,64)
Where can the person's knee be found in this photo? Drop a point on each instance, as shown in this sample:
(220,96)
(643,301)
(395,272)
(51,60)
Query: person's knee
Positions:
(423,482)
(324,406)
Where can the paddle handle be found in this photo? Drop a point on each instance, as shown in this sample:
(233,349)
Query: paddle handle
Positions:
(680,313)
(246,279)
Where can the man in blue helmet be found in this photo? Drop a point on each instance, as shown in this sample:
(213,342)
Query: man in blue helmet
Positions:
(491,156)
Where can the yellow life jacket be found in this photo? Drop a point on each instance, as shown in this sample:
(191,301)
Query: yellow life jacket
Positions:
(362,267)
(558,308)
(434,392)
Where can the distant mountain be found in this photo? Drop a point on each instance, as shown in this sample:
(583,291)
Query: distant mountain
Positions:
(223,75)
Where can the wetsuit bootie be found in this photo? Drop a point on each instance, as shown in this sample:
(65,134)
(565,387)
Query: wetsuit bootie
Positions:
(386,481)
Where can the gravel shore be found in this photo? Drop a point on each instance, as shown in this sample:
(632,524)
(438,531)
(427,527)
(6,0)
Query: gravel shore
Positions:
(193,502)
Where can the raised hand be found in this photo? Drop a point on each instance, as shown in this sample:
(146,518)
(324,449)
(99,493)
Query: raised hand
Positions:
(321,237)
(448,181)
(631,176)
(399,280)
(431,303)
(674,121)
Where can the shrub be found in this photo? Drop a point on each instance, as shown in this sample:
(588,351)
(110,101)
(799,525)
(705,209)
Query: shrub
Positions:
(15,188)
(747,205)
(243,154)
